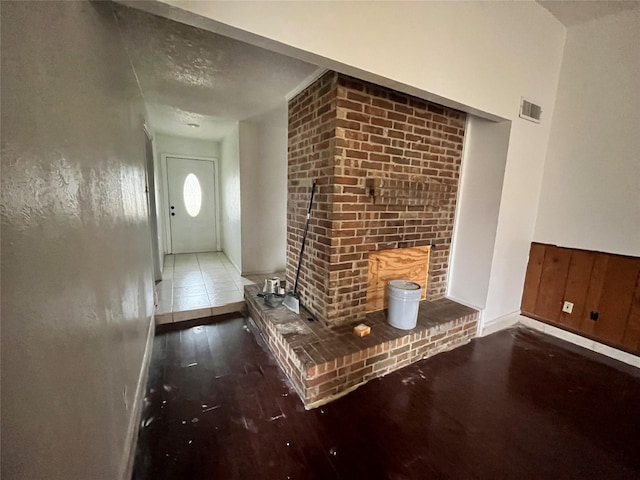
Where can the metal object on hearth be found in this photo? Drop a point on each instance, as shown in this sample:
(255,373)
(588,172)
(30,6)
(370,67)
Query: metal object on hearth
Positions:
(271,285)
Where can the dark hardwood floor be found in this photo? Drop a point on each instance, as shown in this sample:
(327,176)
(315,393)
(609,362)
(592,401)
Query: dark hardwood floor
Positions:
(514,405)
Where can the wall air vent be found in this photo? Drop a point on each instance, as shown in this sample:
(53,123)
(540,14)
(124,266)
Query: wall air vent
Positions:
(530,111)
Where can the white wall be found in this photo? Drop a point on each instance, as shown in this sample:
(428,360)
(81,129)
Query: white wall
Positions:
(77,286)
(479,56)
(483,164)
(503,49)
(231,235)
(171,144)
(263,179)
(591,190)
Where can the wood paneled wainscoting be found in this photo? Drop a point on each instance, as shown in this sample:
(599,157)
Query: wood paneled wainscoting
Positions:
(604,289)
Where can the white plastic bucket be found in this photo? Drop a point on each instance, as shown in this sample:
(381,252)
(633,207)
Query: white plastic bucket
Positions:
(404,301)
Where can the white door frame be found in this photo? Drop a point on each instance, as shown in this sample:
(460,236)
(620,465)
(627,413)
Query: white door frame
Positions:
(165,180)
(152,200)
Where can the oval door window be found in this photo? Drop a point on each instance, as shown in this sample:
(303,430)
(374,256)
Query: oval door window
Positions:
(192,194)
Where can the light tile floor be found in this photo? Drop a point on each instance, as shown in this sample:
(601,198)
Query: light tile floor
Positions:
(197,285)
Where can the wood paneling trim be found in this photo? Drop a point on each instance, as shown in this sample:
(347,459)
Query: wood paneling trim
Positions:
(532,281)
(631,337)
(580,268)
(604,283)
(596,284)
(615,301)
(552,282)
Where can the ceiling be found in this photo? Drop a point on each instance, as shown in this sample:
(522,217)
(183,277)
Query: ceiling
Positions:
(576,12)
(188,75)
(192,76)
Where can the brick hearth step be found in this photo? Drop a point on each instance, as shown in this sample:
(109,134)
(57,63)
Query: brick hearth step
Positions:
(325,362)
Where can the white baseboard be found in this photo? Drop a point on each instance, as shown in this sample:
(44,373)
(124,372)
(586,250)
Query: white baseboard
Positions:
(581,341)
(233,263)
(126,467)
(498,324)
(512,319)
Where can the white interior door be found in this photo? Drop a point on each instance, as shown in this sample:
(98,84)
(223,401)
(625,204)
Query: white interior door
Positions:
(192,205)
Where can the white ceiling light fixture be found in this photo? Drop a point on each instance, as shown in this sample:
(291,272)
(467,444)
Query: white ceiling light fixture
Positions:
(193,125)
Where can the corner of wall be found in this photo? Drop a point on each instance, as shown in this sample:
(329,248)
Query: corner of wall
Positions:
(231,198)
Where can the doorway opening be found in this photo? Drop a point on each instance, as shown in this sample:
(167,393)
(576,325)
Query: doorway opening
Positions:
(193,204)
(151,203)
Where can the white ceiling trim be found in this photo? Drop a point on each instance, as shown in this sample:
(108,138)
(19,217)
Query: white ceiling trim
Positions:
(306,82)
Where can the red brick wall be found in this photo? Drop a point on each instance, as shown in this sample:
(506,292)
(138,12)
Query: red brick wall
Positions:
(388,167)
(312,120)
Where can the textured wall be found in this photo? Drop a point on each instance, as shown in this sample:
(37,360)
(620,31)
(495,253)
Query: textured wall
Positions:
(76,262)
(388,166)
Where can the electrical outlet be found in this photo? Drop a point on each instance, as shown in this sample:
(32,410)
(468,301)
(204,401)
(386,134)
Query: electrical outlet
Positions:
(567,307)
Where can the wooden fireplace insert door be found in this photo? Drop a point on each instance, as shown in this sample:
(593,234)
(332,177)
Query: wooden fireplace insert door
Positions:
(399,263)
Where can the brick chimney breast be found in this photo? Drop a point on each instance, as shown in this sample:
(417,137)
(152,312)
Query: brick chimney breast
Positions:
(387,166)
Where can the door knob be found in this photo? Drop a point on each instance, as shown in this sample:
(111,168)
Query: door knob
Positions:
(172,207)
(173,214)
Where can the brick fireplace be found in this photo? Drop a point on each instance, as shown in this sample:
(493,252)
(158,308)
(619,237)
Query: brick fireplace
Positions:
(387,167)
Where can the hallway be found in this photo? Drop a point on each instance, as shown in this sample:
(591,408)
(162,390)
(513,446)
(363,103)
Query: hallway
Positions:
(198,285)
(217,406)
